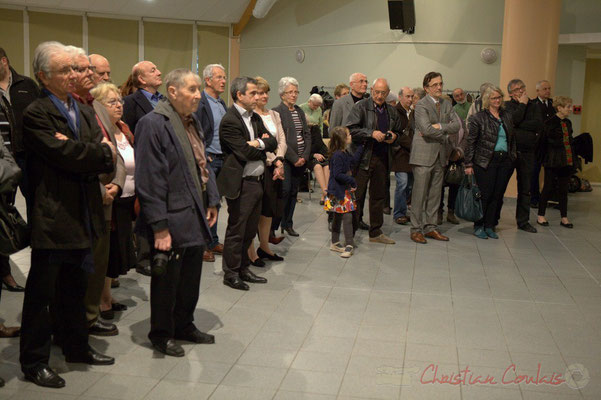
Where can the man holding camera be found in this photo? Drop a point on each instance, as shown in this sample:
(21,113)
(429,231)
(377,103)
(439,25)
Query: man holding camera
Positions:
(377,125)
(178,199)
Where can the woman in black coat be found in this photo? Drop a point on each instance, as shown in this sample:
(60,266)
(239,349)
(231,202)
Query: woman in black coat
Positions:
(490,154)
(558,159)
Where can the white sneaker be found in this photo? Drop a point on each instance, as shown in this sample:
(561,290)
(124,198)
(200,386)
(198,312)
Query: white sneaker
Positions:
(348,251)
(337,247)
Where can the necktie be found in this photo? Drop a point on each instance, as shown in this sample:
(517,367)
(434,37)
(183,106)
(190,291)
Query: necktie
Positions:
(438,109)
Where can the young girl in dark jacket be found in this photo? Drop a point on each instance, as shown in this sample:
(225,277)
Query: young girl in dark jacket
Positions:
(341,188)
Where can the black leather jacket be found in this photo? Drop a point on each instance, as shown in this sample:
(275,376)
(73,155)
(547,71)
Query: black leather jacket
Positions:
(362,121)
(482,138)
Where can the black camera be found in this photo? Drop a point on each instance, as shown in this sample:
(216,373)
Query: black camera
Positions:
(159,262)
(388,136)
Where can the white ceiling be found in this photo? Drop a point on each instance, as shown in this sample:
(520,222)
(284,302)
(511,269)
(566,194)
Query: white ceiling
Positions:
(222,11)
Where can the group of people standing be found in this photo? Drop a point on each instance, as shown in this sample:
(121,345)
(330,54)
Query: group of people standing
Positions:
(91,163)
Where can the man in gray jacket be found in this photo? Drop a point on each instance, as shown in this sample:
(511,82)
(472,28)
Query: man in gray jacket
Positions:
(429,156)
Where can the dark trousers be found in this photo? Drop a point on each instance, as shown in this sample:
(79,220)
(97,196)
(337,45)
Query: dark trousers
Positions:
(375,176)
(242,223)
(63,283)
(562,177)
(174,295)
(387,192)
(535,186)
(492,182)
(524,166)
(292,178)
(4,267)
(453,189)
(216,166)
(100,251)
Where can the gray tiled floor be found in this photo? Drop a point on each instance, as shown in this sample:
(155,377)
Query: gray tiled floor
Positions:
(374,326)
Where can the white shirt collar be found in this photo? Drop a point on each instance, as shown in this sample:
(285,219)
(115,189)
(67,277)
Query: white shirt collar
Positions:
(243,112)
(434,100)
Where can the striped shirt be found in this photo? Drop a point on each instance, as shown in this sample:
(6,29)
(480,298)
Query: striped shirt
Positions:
(5,131)
(298,127)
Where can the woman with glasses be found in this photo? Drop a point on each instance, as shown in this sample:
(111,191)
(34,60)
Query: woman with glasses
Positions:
(490,154)
(298,139)
(108,105)
(558,160)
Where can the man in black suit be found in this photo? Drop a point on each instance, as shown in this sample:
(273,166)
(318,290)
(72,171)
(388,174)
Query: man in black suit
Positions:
(210,111)
(545,104)
(244,142)
(147,78)
(67,152)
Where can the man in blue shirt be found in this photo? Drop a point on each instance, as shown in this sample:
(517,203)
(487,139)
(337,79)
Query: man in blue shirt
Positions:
(210,111)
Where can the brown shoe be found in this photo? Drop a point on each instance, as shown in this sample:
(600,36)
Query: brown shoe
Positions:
(402,220)
(418,237)
(208,256)
(437,236)
(276,239)
(9,331)
(218,249)
(452,218)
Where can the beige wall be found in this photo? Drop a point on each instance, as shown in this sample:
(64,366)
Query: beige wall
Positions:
(340,37)
(11,37)
(591,110)
(64,28)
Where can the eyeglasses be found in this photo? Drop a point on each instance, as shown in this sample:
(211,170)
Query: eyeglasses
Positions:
(435,84)
(496,98)
(114,102)
(292,92)
(381,92)
(81,70)
(518,89)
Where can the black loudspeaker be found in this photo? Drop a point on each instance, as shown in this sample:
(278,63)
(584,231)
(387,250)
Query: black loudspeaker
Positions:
(401,14)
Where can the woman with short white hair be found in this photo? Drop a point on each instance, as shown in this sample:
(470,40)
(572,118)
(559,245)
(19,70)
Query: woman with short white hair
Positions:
(298,139)
(318,161)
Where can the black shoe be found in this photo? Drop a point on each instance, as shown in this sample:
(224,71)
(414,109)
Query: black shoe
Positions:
(248,276)
(169,347)
(387,210)
(1,382)
(118,307)
(16,288)
(258,262)
(568,225)
(363,226)
(546,223)
(107,314)
(263,254)
(100,328)
(291,231)
(44,376)
(235,283)
(196,336)
(144,270)
(91,357)
(528,228)
(534,205)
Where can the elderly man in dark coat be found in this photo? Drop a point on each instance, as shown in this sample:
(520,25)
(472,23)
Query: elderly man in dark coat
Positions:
(178,199)
(67,152)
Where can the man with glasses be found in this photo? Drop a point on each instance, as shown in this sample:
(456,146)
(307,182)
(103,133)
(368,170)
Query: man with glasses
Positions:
(434,123)
(101,69)
(342,108)
(68,152)
(528,123)
(84,72)
(376,125)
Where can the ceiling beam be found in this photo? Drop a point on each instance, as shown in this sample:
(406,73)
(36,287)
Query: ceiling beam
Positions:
(239,27)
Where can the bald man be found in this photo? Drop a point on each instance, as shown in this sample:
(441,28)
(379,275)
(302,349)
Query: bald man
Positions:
(147,78)
(101,68)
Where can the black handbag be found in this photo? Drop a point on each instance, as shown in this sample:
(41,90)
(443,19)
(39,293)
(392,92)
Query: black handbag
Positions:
(14,231)
(454,174)
(468,204)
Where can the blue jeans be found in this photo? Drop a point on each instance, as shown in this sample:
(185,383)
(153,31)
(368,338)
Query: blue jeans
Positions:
(216,166)
(400,194)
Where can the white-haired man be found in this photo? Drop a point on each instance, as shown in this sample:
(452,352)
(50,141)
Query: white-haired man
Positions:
(342,108)
(67,153)
(178,204)
(376,125)
(211,110)
(101,69)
